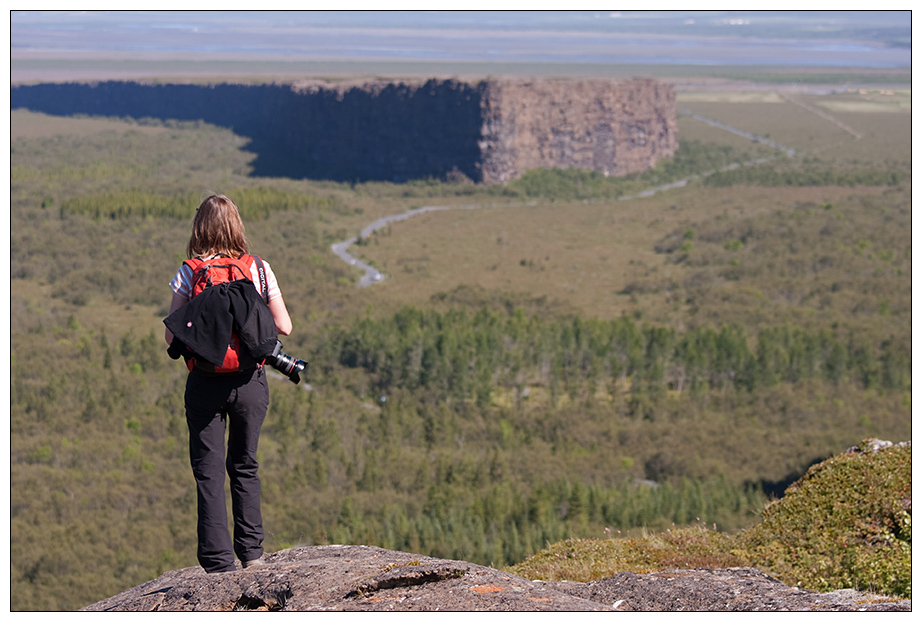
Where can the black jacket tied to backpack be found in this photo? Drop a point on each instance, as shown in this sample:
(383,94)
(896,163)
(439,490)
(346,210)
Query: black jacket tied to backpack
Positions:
(206,323)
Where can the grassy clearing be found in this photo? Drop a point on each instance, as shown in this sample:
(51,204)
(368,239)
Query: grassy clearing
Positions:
(25,124)
(582,256)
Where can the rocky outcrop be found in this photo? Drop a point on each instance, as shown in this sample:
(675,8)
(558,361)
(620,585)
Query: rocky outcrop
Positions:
(365,578)
(875,445)
(490,131)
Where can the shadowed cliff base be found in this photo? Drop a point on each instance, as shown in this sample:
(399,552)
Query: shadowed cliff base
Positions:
(489,131)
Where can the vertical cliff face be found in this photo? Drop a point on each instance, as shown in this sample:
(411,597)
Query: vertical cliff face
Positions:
(491,131)
(616,128)
(389,131)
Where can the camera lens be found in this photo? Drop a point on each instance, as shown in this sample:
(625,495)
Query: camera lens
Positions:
(288,365)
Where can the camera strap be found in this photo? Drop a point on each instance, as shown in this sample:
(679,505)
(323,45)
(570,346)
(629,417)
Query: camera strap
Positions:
(263,282)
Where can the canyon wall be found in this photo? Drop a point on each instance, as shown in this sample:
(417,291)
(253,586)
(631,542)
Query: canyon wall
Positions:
(614,127)
(490,131)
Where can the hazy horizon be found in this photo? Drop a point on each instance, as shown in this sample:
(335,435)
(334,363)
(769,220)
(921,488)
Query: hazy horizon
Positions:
(878,39)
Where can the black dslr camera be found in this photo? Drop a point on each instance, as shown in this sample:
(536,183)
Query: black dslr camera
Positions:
(288,365)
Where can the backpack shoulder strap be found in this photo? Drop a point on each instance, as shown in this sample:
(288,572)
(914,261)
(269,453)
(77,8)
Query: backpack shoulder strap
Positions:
(263,281)
(194,263)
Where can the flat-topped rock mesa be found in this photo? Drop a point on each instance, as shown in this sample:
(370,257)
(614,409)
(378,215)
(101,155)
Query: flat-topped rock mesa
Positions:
(490,131)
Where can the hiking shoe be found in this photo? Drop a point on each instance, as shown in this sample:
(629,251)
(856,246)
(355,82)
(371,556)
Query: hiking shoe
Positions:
(217,570)
(259,561)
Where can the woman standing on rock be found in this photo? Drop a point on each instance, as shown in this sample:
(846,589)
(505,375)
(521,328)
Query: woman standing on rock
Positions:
(233,393)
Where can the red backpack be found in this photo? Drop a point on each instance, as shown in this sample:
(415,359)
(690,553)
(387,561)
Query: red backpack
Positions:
(209,272)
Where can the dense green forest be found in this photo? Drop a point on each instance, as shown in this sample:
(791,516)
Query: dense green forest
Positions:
(480,424)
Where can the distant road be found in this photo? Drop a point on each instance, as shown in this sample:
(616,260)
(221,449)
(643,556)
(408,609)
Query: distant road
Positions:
(373,275)
(820,113)
(733,130)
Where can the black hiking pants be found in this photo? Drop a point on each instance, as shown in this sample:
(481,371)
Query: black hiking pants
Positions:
(240,400)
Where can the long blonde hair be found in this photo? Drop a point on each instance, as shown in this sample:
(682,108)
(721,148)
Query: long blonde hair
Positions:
(217,229)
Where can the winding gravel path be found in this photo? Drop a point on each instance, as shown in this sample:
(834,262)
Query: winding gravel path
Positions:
(372,275)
